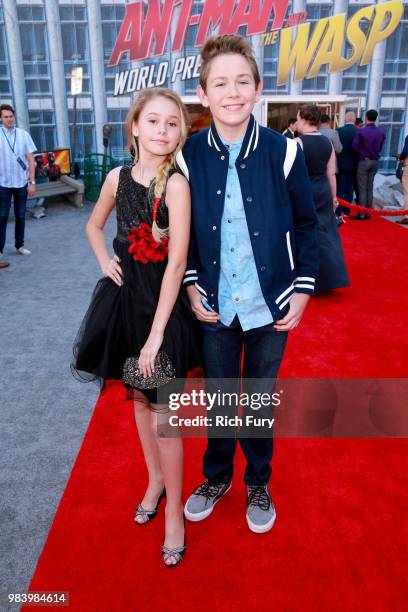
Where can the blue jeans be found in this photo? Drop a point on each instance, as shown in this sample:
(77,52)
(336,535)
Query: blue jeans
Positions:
(222,350)
(19,196)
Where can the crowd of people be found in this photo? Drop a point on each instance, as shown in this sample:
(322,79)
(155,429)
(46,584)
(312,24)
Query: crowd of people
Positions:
(357,146)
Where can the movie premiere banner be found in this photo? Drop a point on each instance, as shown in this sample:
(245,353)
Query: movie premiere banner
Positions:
(304,48)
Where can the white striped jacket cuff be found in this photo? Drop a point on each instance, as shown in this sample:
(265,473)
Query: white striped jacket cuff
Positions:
(304,284)
(190,277)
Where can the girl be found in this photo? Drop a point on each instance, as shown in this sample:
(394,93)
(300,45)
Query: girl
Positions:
(138,308)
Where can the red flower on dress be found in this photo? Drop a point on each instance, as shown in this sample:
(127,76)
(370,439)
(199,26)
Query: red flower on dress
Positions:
(144,247)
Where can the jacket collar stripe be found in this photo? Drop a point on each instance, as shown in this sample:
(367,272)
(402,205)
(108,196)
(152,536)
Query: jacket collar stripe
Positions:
(249,143)
(181,162)
(256,134)
(211,136)
(291,152)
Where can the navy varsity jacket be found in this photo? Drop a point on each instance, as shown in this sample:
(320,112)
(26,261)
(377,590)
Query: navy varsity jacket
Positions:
(278,205)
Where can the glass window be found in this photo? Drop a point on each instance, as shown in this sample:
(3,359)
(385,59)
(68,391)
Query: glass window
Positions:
(355,79)
(85,132)
(79,13)
(392,122)
(318,11)
(37,13)
(108,12)
(112,18)
(270,68)
(118,140)
(24,13)
(5,81)
(4,86)
(396,59)
(42,129)
(75,43)
(320,83)
(34,45)
(66,13)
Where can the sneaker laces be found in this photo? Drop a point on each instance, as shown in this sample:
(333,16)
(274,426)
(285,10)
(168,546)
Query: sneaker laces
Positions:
(208,489)
(258,496)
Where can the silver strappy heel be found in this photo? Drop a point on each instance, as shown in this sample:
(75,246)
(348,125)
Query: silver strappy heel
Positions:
(177,553)
(150,514)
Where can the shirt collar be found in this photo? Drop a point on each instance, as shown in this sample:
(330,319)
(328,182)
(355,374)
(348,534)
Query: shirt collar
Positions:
(233,146)
(7,132)
(249,142)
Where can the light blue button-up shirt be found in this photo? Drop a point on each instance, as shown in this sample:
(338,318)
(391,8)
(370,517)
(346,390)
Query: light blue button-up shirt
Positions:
(14,144)
(239,288)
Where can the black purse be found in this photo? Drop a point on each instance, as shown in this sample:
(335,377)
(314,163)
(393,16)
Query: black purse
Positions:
(164,371)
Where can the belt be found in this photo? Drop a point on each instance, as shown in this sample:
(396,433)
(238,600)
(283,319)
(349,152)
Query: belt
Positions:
(369,159)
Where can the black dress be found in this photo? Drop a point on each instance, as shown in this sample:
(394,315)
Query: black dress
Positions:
(118,321)
(333,272)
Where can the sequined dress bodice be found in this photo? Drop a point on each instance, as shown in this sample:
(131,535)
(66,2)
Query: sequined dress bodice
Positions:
(134,204)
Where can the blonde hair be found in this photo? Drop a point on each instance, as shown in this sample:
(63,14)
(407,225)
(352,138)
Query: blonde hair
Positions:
(221,45)
(169,162)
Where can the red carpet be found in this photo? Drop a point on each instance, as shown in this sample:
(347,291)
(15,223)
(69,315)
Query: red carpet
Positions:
(340,539)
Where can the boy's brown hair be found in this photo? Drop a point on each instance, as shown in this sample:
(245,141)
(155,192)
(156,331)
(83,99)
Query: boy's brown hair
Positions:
(221,45)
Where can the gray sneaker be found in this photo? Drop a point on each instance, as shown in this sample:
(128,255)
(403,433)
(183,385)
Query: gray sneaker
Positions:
(261,512)
(203,499)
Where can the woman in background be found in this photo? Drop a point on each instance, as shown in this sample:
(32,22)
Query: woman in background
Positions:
(321,164)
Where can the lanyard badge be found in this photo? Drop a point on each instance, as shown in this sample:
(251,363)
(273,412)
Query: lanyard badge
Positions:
(19,160)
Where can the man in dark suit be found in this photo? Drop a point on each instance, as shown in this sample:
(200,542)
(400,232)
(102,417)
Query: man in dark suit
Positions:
(347,160)
(290,131)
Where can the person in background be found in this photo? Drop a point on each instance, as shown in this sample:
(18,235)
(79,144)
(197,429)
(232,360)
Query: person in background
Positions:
(359,124)
(368,142)
(404,158)
(326,129)
(320,161)
(290,131)
(347,161)
(17,180)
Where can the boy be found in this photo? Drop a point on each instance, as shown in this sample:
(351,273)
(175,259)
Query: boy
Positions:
(253,252)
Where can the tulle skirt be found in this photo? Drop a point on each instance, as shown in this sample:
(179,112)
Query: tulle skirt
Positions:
(119,319)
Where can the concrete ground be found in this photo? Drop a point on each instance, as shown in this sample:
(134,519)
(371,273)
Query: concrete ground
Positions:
(44,410)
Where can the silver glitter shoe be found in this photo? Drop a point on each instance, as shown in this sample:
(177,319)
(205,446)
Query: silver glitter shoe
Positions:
(149,514)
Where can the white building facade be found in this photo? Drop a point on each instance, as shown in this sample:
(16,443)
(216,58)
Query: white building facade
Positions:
(42,40)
